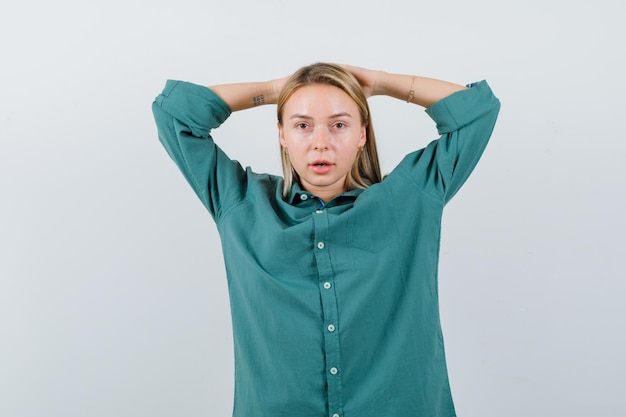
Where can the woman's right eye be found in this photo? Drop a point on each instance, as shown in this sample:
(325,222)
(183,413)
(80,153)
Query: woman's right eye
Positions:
(301,126)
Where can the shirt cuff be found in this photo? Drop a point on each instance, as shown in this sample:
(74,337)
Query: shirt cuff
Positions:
(463,107)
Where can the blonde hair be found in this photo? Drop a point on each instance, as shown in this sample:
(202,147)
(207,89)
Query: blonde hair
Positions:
(366,168)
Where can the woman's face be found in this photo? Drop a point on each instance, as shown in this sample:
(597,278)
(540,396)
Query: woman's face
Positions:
(322,132)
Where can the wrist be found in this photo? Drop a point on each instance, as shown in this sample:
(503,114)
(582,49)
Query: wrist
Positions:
(263,92)
(380,86)
(273,89)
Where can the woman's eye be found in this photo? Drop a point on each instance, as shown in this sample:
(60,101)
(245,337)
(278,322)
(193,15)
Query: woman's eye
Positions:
(301,126)
(339,125)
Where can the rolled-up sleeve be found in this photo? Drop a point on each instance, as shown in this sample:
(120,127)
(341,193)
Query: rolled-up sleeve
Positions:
(185,115)
(465,120)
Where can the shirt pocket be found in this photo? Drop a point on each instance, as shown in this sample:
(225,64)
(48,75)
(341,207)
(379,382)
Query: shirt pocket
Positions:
(372,224)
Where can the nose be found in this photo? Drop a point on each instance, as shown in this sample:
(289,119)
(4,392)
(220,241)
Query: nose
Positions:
(321,140)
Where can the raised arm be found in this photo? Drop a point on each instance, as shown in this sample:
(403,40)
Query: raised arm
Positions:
(411,88)
(465,119)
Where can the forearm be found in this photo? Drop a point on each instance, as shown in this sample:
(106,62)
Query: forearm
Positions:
(419,90)
(243,96)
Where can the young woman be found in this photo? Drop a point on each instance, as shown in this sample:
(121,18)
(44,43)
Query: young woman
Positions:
(332,270)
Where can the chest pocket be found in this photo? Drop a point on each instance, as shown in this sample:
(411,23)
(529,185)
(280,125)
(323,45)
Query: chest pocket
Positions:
(372,223)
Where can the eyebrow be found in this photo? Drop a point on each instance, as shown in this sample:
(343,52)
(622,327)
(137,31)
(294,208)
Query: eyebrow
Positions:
(332,116)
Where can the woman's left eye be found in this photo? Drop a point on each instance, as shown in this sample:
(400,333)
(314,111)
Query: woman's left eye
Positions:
(339,125)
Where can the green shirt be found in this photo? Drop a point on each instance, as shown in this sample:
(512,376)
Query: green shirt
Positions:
(334,306)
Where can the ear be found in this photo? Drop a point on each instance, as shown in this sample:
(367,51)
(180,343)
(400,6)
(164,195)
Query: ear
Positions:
(363,137)
(281,135)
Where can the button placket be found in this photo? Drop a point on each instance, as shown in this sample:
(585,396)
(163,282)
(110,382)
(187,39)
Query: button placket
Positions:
(322,252)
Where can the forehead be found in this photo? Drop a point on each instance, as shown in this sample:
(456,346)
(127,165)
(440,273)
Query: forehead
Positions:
(318,100)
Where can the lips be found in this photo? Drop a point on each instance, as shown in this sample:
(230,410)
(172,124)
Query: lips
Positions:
(321,166)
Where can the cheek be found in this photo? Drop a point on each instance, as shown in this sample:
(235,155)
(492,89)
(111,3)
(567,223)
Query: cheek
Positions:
(350,149)
(345,156)
(297,152)
(295,146)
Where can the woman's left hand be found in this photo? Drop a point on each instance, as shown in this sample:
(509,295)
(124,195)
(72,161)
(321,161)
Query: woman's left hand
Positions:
(367,78)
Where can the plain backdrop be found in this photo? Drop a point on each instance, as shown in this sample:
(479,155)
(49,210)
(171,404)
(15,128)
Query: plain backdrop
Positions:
(113,297)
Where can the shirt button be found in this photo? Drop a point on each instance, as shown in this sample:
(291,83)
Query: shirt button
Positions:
(304,197)
(335,415)
(327,285)
(333,370)
(331,327)
(320,245)
(319,211)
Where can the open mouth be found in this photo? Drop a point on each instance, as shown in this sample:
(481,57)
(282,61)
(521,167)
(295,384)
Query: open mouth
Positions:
(321,167)
(320,163)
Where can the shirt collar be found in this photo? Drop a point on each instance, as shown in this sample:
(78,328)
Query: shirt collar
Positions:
(298,195)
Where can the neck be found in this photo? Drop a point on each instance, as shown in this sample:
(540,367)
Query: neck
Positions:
(325,193)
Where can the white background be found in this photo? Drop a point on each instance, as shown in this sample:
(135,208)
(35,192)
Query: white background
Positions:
(113,299)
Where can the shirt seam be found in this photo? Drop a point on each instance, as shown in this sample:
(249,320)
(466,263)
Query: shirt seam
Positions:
(221,217)
(407,173)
